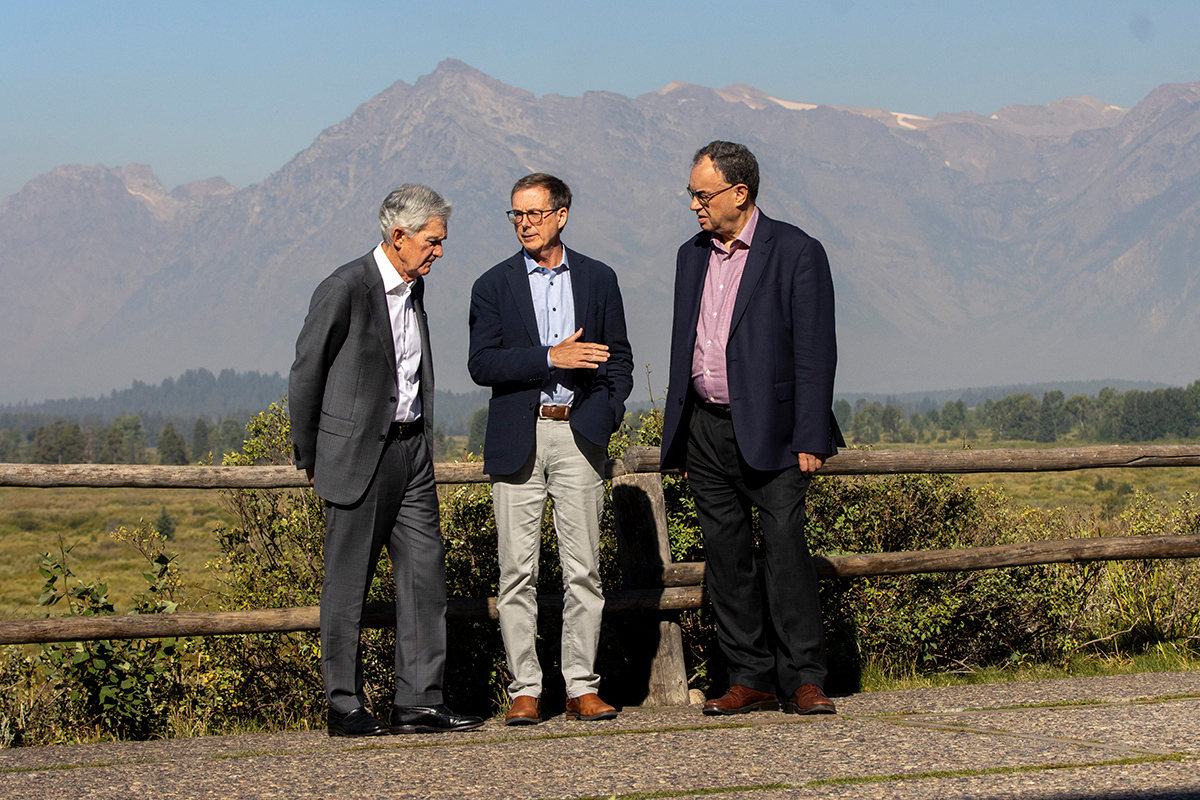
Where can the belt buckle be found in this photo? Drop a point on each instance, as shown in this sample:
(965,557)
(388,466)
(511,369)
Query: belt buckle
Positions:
(552,411)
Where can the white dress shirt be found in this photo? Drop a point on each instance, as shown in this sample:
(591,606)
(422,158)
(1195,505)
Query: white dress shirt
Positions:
(406,337)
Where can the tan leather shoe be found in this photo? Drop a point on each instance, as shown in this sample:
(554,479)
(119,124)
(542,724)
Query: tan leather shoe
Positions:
(809,699)
(589,707)
(525,710)
(741,700)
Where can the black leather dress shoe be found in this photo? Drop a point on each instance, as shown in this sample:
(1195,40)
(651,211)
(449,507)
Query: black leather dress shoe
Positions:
(430,719)
(358,722)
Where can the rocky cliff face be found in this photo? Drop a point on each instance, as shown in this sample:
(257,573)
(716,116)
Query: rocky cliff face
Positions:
(1056,241)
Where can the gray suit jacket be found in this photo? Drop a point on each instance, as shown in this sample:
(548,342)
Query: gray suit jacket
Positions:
(342,388)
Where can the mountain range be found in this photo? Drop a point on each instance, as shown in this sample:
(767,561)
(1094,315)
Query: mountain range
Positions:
(1040,243)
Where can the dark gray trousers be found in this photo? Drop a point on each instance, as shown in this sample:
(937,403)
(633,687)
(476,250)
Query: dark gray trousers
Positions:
(776,643)
(399,512)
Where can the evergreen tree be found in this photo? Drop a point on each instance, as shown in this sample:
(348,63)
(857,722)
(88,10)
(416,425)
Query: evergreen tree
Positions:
(842,413)
(171,447)
(201,446)
(477,432)
(165,524)
(229,438)
(12,447)
(61,443)
(1050,417)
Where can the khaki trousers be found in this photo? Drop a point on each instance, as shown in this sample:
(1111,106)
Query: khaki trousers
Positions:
(569,469)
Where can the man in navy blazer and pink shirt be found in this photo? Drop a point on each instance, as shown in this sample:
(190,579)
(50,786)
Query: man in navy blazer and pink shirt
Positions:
(748,418)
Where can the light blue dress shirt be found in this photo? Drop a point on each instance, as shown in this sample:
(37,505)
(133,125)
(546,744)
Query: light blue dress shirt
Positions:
(554,308)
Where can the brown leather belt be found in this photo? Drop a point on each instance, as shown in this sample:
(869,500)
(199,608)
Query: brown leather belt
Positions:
(554,412)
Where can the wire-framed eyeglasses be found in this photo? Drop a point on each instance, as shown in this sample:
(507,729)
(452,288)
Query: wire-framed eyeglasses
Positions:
(704,198)
(534,215)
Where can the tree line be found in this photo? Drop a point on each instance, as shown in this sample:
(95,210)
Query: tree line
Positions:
(125,441)
(1110,416)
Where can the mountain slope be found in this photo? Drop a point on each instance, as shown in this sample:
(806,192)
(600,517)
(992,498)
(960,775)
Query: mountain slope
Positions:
(1043,242)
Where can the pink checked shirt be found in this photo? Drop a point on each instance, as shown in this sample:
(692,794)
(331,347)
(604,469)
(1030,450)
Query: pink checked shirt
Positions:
(721,282)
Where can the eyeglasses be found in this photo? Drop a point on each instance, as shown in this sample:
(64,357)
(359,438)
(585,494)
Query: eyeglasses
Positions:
(534,216)
(704,198)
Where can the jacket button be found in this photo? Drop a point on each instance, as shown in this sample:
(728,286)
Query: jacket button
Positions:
(531,405)
(383,437)
(392,399)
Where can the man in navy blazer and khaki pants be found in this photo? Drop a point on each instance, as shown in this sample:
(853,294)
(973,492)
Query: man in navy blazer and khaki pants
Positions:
(360,397)
(548,335)
(748,419)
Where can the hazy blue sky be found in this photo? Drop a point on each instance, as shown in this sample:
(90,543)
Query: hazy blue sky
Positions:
(237,88)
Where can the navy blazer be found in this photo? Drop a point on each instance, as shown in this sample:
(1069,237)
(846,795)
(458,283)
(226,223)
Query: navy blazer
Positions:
(506,354)
(342,387)
(781,354)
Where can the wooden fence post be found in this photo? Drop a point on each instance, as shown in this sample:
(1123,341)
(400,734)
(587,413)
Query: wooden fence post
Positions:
(640,513)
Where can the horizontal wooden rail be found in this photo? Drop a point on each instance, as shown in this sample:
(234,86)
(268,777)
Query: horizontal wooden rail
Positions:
(1019,554)
(681,581)
(286,620)
(637,459)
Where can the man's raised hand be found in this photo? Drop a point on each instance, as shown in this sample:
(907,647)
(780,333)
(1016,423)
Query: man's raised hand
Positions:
(574,354)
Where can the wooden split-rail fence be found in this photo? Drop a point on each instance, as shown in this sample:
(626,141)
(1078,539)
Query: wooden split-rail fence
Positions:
(652,586)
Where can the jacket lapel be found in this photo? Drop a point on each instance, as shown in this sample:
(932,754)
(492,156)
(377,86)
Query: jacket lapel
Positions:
(756,263)
(692,290)
(518,281)
(581,290)
(377,308)
(418,302)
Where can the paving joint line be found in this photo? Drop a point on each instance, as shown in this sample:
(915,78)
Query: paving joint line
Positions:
(1036,737)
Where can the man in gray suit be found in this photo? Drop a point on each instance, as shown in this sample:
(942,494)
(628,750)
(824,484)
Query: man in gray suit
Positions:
(361,403)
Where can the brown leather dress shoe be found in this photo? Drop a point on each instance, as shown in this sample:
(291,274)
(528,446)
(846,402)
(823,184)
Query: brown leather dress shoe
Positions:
(589,707)
(525,710)
(741,700)
(809,699)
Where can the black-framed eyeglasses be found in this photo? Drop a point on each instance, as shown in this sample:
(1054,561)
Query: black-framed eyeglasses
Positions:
(704,198)
(535,216)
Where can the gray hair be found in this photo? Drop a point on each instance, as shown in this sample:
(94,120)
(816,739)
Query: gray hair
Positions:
(409,208)
(734,161)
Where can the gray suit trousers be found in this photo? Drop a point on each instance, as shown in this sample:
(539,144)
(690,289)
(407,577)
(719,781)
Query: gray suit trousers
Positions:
(399,512)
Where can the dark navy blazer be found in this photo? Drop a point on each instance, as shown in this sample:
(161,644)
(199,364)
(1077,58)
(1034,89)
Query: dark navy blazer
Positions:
(506,354)
(781,354)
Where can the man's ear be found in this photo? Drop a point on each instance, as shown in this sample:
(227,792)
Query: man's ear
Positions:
(742,195)
(397,237)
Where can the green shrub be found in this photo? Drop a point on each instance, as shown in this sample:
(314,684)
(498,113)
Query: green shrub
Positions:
(272,558)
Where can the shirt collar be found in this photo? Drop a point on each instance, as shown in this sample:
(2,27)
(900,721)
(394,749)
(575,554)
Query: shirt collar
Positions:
(392,282)
(745,236)
(531,265)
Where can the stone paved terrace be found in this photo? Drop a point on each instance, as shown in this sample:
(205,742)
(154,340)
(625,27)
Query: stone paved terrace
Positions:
(1114,737)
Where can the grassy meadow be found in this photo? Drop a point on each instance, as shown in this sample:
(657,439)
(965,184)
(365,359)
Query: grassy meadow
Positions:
(32,522)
